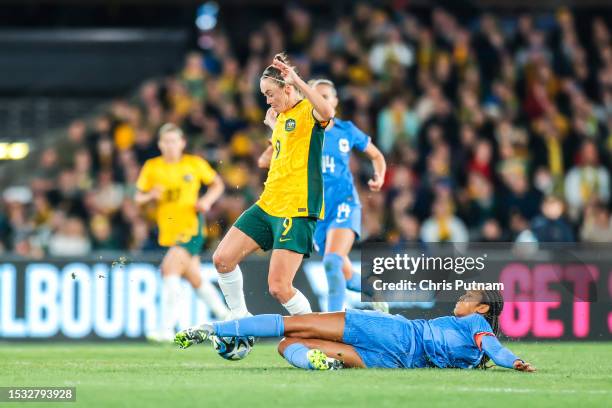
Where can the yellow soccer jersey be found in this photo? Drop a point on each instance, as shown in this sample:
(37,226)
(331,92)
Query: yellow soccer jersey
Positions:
(180,183)
(294,187)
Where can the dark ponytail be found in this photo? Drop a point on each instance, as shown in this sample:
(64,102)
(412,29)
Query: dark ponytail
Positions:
(495,301)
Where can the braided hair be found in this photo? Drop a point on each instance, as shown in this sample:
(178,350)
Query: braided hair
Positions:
(495,301)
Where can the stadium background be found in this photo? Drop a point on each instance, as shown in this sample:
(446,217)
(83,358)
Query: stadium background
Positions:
(482,109)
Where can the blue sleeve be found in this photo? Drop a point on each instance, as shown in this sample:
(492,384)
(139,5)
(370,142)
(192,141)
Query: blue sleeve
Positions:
(360,139)
(498,353)
(476,324)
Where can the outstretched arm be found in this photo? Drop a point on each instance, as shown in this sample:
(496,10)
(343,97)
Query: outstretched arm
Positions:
(379,164)
(502,356)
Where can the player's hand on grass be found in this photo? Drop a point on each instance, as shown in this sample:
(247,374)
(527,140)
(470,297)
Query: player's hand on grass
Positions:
(521,365)
(289,75)
(270,120)
(376,182)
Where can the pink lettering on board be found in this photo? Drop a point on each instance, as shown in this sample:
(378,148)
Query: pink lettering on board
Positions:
(582,276)
(515,320)
(544,274)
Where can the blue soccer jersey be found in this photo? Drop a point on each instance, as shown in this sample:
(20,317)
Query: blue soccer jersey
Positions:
(342,206)
(450,341)
(386,341)
(337,177)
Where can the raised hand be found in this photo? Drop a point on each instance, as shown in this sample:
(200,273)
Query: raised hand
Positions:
(288,73)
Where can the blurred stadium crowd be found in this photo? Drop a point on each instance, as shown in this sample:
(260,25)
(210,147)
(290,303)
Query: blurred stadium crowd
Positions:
(491,127)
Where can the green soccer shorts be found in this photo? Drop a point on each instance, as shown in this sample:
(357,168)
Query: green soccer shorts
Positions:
(196,243)
(292,233)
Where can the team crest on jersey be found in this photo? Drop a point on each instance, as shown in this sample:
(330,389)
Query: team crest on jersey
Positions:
(343,145)
(187,178)
(290,125)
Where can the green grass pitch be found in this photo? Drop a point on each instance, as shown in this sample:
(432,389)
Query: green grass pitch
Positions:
(130,375)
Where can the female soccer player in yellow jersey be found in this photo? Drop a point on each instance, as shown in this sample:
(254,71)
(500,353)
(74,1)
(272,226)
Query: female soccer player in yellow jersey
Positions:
(173,181)
(285,216)
(335,234)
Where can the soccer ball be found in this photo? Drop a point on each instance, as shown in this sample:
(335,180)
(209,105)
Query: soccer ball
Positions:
(233,348)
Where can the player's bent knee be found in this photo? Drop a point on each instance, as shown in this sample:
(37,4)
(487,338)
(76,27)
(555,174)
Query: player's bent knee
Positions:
(287,341)
(284,343)
(223,262)
(281,291)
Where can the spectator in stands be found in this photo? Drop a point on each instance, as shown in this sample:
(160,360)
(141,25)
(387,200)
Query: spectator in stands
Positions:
(491,231)
(193,76)
(588,181)
(47,170)
(444,226)
(16,227)
(102,234)
(75,141)
(140,237)
(408,231)
(390,50)
(70,239)
(597,226)
(488,116)
(519,197)
(550,226)
(397,124)
(481,162)
(481,203)
(83,169)
(108,195)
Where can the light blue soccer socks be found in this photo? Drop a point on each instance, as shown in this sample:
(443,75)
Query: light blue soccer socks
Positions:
(301,356)
(335,281)
(265,325)
(297,355)
(354,283)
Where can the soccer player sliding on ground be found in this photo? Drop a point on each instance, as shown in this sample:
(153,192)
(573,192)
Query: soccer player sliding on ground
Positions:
(284,217)
(336,233)
(369,339)
(173,182)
